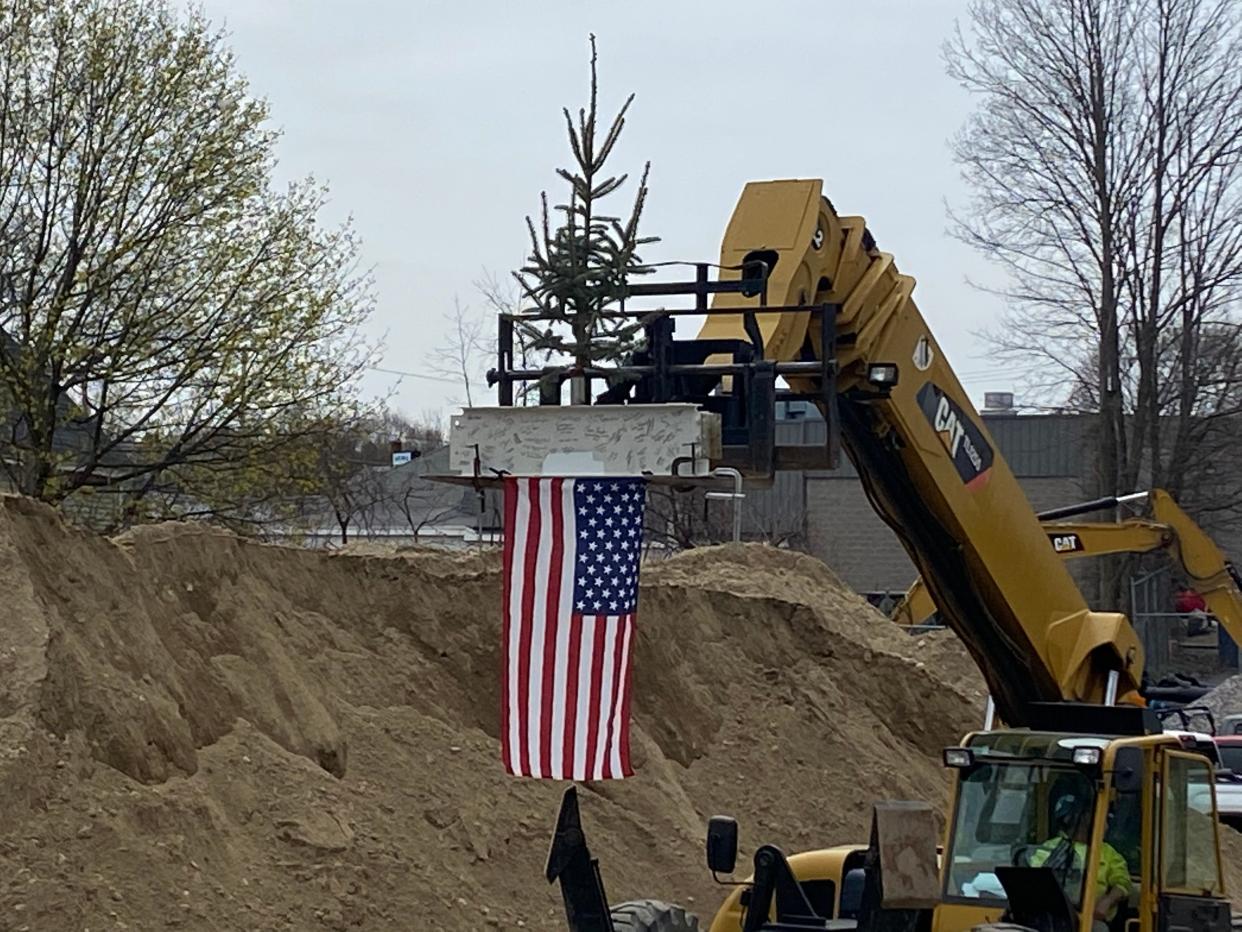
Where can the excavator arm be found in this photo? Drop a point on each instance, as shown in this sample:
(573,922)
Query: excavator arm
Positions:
(926,460)
(1207,569)
(1169,529)
(1073,539)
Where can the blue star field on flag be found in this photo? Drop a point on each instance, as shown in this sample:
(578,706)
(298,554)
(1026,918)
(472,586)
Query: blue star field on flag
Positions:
(609,517)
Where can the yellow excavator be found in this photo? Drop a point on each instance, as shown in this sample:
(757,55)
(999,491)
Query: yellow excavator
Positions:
(1081,812)
(1166,528)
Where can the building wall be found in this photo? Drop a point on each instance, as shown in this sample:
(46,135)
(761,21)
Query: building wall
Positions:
(1050,455)
(1046,453)
(844,531)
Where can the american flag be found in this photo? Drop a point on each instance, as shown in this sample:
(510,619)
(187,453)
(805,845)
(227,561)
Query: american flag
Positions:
(570,591)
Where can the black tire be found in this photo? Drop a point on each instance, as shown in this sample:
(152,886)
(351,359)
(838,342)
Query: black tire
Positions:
(652,916)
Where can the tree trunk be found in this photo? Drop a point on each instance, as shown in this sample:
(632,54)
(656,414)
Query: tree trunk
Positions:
(1112,418)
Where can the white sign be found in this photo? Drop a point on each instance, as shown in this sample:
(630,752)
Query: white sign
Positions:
(400,459)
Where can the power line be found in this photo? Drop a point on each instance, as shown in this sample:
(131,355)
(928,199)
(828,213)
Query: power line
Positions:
(1017,372)
(421,375)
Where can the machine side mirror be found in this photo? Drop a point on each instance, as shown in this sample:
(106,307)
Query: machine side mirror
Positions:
(721,844)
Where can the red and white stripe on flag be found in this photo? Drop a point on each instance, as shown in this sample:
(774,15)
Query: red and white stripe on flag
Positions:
(571,557)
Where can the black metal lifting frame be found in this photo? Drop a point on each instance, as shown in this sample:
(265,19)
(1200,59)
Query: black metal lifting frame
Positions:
(668,370)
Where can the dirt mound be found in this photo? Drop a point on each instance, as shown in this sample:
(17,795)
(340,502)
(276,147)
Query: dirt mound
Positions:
(1224,700)
(753,571)
(198,732)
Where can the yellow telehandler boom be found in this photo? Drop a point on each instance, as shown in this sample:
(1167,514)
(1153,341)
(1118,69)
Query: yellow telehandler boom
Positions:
(925,458)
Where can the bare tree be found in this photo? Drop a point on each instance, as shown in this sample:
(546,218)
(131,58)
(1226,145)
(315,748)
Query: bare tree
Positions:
(500,299)
(678,519)
(1185,240)
(424,503)
(425,432)
(1050,155)
(162,304)
(1104,158)
(778,519)
(353,490)
(461,355)
(682,519)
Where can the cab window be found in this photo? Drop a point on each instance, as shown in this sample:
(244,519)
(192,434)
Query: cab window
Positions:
(1006,815)
(1231,757)
(1188,842)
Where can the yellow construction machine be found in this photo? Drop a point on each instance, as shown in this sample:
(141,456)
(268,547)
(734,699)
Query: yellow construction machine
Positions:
(1166,528)
(1080,813)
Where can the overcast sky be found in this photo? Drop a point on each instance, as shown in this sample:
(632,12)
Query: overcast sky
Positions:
(437,124)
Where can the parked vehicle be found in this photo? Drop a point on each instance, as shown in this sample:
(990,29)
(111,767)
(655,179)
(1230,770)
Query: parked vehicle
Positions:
(1229,779)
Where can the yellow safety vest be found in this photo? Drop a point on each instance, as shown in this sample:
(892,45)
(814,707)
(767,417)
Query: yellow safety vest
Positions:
(1113,872)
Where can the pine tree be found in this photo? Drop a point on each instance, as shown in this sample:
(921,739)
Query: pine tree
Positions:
(578,271)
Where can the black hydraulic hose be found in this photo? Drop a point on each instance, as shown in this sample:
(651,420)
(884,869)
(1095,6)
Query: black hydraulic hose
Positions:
(1175,693)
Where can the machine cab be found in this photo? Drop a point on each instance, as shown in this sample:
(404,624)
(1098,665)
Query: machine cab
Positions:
(1080,832)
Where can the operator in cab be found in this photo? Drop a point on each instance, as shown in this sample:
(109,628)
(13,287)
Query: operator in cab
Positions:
(1065,852)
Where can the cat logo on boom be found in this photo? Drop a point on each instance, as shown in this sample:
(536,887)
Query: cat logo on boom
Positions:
(970,451)
(1066,543)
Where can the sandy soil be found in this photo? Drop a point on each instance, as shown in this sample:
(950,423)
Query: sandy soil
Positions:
(198,732)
